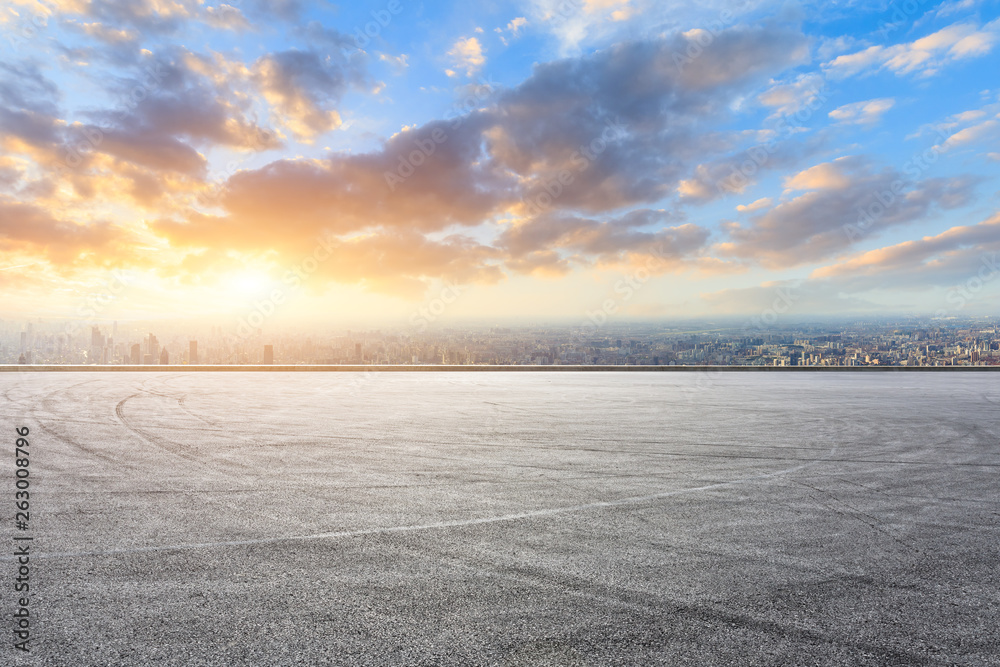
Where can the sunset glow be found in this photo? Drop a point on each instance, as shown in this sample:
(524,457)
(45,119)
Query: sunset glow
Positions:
(534,154)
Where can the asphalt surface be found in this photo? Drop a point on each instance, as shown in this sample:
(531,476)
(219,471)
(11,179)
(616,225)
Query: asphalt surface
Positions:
(507,519)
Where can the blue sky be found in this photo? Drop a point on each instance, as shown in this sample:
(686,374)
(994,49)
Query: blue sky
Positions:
(534,154)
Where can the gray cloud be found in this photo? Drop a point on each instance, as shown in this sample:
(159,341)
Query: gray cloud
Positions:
(304,88)
(845,199)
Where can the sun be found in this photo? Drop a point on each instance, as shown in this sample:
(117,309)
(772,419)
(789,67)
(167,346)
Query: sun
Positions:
(247,282)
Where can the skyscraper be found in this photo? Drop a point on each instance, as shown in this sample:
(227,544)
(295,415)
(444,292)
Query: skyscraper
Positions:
(153,348)
(96,355)
(268,355)
(136,354)
(164,357)
(193,352)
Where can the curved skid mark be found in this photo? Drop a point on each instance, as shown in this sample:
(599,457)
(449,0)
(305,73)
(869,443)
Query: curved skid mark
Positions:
(180,401)
(45,402)
(159,443)
(531,514)
(168,446)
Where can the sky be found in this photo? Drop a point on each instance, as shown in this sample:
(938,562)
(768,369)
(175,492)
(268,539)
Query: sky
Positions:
(442,161)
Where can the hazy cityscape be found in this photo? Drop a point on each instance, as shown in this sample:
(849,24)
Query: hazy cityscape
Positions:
(906,343)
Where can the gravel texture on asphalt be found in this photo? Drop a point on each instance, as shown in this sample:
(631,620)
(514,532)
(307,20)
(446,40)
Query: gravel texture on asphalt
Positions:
(507,518)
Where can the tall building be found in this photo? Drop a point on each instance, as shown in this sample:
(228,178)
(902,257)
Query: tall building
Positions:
(96,355)
(193,352)
(153,348)
(136,354)
(164,357)
(268,355)
(357,351)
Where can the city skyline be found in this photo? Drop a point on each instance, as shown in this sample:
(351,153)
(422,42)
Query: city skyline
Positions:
(913,343)
(303,163)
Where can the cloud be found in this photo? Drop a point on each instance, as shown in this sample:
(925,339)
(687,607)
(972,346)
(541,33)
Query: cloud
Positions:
(826,220)
(763,202)
(399,63)
(226,17)
(573,22)
(187,101)
(304,89)
(515,25)
(543,242)
(638,105)
(619,127)
(144,16)
(29,229)
(779,300)
(348,194)
(787,98)
(979,134)
(115,37)
(403,263)
(932,260)
(513,29)
(466,54)
(862,113)
(827,176)
(626,124)
(954,7)
(924,56)
(397,262)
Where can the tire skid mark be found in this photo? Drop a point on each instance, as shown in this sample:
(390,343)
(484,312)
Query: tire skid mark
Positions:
(461,523)
(651,604)
(47,405)
(159,443)
(168,446)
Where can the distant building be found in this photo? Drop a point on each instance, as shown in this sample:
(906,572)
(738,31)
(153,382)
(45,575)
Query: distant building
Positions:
(357,351)
(268,355)
(153,347)
(96,354)
(164,357)
(136,354)
(147,360)
(193,352)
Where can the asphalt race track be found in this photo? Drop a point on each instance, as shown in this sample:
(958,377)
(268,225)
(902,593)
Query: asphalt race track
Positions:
(507,518)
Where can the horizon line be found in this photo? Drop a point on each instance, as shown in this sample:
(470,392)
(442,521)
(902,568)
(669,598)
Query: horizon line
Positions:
(403,368)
